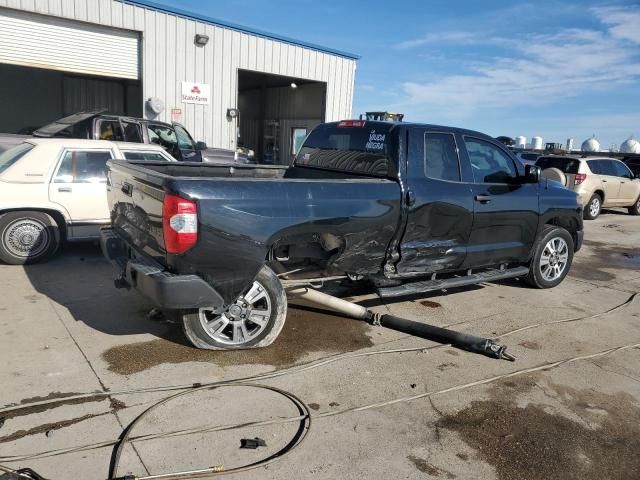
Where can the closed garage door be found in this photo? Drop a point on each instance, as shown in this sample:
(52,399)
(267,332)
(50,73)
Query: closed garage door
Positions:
(56,44)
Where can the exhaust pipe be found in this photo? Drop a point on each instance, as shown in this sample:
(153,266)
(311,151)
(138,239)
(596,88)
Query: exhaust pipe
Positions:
(471,343)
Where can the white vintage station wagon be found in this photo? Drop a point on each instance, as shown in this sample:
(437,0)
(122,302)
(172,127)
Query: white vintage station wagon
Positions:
(53,190)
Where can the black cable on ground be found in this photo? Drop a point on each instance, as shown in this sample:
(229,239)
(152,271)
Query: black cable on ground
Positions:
(298,438)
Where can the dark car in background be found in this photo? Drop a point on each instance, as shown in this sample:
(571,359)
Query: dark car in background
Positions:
(174,138)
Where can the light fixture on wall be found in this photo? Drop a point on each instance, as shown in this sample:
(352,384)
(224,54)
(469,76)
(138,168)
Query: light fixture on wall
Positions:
(232,113)
(155,105)
(201,40)
(294,85)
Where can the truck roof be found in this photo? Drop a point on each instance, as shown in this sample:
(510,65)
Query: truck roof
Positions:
(440,128)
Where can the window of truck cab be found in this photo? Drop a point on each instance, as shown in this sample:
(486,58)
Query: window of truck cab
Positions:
(489,163)
(359,150)
(441,156)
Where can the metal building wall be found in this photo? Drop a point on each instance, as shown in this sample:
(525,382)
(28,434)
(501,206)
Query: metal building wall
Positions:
(169,57)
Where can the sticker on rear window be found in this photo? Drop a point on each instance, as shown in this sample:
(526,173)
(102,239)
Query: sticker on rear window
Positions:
(376,141)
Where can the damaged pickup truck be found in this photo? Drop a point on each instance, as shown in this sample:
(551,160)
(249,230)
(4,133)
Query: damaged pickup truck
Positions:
(407,207)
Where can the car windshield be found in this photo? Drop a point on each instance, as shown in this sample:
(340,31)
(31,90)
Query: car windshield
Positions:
(566,165)
(11,156)
(352,147)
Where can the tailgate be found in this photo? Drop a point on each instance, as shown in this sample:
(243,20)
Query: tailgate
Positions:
(135,197)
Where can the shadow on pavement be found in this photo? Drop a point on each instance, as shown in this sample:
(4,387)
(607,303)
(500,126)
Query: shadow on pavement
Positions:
(80,279)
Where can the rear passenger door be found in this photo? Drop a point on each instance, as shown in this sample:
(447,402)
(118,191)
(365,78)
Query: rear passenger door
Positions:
(629,189)
(440,204)
(606,171)
(79,186)
(505,208)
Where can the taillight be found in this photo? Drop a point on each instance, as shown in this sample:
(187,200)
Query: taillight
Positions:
(179,224)
(351,124)
(580,177)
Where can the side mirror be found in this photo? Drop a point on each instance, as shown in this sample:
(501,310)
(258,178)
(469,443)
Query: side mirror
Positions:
(532,173)
(201,146)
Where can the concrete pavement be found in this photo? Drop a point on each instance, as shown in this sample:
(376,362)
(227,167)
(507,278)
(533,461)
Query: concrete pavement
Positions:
(64,329)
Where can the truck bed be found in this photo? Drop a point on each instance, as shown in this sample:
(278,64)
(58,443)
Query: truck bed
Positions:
(248,215)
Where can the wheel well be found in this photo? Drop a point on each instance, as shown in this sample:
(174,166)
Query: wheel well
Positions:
(55,214)
(568,223)
(601,193)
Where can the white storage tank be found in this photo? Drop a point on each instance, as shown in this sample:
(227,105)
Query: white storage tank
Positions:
(569,144)
(630,145)
(591,145)
(521,142)
(536,143)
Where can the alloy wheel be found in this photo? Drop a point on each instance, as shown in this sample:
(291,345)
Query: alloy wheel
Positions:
(243,320)
(554,258)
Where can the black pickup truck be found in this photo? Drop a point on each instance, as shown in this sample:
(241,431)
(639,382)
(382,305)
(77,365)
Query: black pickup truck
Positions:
(408,207)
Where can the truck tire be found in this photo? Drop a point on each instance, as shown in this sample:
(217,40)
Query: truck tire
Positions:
(254,320)
(635,208)
(593,208)
(27,237)
(552,257)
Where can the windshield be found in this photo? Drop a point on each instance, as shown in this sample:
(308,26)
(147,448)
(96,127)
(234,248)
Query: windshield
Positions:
(357,147)
(11,156)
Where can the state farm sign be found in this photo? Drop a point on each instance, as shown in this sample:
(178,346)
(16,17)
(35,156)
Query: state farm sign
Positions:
(195,93)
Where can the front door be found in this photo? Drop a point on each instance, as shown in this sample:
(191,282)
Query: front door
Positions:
(79,186)
(629,186)
(606,171)
(440,204)
(505,208)
(186,145)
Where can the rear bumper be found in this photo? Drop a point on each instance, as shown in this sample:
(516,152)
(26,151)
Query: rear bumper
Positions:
(166,290)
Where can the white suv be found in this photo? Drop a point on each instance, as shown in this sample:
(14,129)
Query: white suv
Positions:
(55,189)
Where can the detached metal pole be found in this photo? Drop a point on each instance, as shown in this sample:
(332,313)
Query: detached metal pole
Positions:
(472,343)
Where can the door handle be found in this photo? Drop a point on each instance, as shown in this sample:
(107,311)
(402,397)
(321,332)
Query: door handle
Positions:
(65,189)
(604,181)
(483,198)
(127,188)
(411,198)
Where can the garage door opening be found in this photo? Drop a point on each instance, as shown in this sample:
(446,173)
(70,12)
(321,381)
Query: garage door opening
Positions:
(52,67)
(276,113)
(33,97)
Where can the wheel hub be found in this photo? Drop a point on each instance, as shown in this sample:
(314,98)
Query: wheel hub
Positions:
(25,238)
(244,319)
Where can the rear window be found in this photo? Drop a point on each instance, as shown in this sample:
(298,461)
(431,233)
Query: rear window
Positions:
(11,156)
(566,165)
(361,150)
(144,155)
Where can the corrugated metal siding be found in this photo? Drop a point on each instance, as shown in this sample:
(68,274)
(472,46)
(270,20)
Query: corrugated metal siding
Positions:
(169,57)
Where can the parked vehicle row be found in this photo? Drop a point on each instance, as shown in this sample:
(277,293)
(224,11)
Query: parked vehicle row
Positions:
(97,125)
(599,182)
(407,207)
(53,190)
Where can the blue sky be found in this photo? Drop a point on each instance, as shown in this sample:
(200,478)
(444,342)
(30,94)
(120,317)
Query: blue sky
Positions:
(554,69)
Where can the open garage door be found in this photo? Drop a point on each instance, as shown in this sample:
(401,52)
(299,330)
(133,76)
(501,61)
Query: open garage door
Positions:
(52,67)
(276,113)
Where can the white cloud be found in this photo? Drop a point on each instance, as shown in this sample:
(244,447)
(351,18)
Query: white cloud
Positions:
(457,37)
(543,69)
(624,22)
